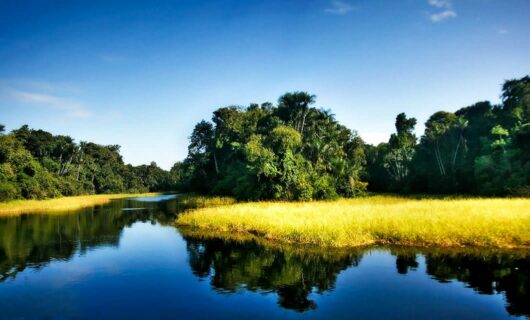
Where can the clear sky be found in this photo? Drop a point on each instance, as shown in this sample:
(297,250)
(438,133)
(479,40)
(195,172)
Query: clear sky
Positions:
(141,73)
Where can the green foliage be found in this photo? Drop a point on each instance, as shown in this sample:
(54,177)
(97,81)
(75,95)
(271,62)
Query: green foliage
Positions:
(480,149)
(7,191)
(501,134)
(292,152)
(506,168)
(34,164)
(401,151)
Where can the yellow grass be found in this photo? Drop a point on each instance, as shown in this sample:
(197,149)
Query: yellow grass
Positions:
(241,238)
(502,223)
(61,204)
(197,201)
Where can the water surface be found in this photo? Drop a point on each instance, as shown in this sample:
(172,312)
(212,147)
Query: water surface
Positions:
(105,262)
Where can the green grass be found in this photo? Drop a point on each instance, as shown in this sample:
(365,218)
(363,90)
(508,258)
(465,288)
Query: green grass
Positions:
(64,204)
(496,223)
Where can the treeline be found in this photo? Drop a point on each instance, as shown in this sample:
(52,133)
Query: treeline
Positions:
(294,151)
(481,149)
(34,164)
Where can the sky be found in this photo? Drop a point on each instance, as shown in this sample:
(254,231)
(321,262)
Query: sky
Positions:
(141,74)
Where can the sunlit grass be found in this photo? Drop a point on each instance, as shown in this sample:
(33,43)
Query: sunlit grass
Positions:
(500,223)
(62,204)
(198,201)
(453,251)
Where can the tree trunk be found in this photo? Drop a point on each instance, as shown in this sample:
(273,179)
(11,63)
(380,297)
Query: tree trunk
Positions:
(304,115)
(215,162)
(439,159)
(60,163)
(456,153)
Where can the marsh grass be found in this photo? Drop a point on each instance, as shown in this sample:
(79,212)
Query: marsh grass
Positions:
(193,201)
(64,204)
(454,251)
(245,238)
(496,223)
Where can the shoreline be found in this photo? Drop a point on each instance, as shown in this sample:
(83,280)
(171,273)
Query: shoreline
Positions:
(63,204)
(247,238)
(251,236)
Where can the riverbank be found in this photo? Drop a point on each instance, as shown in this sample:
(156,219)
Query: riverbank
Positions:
(495,223)
(18,207)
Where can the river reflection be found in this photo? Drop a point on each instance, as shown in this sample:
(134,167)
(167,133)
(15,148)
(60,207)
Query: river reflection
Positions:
(35,240)
(494,273)
(135,263)
(294,274)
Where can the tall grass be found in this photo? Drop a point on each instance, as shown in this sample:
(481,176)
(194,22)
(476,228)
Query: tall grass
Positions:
(503,223)
(193,201)
(61,204)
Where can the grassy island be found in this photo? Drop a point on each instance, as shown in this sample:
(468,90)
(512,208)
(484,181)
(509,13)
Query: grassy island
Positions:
(496,223)
(63,204)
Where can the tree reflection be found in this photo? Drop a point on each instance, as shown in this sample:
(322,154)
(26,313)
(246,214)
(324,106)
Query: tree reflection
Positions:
(35,240)
(487,274)
(404,262)
(292,274)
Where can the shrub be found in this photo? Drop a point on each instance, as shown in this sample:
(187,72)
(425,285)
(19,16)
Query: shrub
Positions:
(7,191)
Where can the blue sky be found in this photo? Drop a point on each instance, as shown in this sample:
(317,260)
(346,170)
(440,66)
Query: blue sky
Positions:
(142,73)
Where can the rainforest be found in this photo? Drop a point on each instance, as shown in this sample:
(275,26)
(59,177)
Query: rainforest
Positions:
(302,159)
(293,150)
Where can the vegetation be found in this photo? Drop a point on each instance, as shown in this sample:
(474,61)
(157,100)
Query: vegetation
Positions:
(193,201)
(17,207)
(293,151)
(34,164)
(482,149)
(375,220)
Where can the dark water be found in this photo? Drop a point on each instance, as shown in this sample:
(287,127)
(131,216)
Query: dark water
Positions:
(107,262)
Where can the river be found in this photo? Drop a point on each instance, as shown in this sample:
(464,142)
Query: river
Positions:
(128,260)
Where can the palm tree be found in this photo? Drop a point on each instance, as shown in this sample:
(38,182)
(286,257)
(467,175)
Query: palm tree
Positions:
(296,107)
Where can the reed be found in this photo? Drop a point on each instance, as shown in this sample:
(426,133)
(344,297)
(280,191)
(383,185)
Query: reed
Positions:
(496,223)
(193,201)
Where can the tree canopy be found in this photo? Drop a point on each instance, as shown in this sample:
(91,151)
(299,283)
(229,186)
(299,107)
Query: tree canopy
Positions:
(293,151)
(481,149)
(34,164)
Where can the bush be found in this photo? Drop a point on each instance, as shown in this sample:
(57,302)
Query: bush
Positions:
(7,191)
(324,188)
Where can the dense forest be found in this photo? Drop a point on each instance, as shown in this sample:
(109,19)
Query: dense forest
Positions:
(34,164)
(295,151)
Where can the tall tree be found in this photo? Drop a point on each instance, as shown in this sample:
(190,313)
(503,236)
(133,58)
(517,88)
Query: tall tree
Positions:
(401,149)
(293,108)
